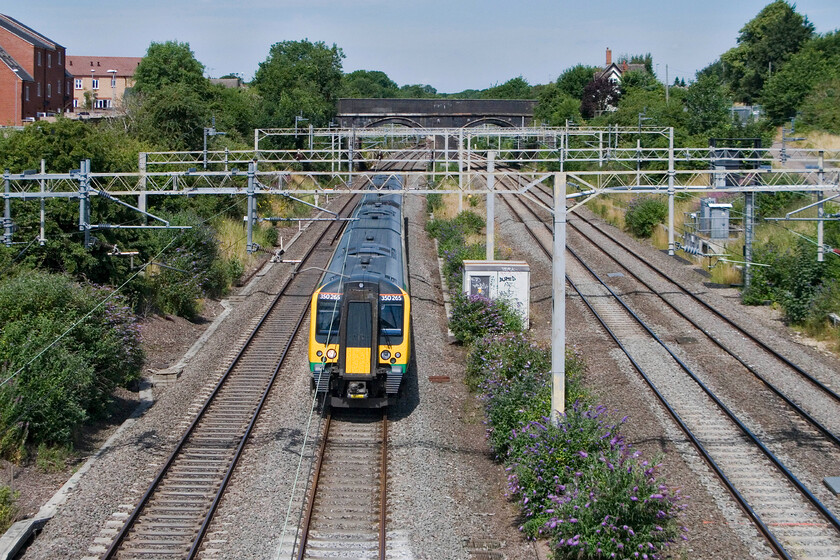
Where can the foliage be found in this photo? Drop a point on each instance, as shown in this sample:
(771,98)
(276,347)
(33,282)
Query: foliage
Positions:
(169,64)
(639,79)
(299,78)
(580,485)
(804,288)
(644,214)
(706,106)
(368,83)
(598,95)
(173,115)
(765,44)
(573,81)
(555,106)
(434,202)
(515,88)
(474,317)
(189,271)
(8,508)
(787,89)
(52,459)
(71,380)
(418,91)
(821,108)
(63,144)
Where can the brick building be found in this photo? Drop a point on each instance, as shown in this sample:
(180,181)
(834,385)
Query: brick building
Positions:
(99,82)
(33,81)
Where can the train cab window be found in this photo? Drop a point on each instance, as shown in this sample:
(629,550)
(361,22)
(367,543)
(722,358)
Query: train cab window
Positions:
(327,322)
(391,322)
(359,324)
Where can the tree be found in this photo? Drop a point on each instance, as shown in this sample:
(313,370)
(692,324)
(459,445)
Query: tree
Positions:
(368,83)
(418,91)
(554,106)
(167,64)
(173,117)
(639,79)
(706,106)
(573,80)
(599,95)
(765,43)
(515,88)
(821,108)
(299,78)
(786,89)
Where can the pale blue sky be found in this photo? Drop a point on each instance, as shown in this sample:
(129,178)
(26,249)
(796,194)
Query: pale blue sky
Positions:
(452,45)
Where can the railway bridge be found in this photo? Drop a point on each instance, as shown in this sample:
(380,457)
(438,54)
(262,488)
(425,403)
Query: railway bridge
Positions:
(435,113)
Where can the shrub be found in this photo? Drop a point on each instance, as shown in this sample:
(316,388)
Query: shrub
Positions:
(453,263)
(434,202)
(580,485)
(474,317)
(72,380)
(8,508)
(469,222)
(644,214)
(52,459)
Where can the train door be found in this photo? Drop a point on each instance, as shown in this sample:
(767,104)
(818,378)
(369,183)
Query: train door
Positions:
(359,333)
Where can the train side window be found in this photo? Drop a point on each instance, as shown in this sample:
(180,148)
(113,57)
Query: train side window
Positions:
(391,319)
(327,321)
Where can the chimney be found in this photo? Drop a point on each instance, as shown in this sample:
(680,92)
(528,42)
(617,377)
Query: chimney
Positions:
(609,56)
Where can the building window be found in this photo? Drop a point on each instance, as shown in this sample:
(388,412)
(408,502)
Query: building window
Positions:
(78,82)
(26,93)
(59,58)
(113,80)
(59,87)
(39,58)
(39,89)
(49,60)
(102,104)
(75,102)
(95,83)
(49,90)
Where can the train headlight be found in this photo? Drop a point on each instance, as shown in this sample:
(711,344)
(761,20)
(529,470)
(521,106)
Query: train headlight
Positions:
(331,353)
(385,355)
(398,355)
(319,353)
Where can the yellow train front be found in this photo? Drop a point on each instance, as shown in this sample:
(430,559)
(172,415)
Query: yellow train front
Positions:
(359,334)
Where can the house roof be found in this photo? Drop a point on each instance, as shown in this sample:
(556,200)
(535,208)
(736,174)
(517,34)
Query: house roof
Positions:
(27,34)
(13,65)
(82,65)
(620,69)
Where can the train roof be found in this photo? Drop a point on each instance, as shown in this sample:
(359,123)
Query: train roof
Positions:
(371,248)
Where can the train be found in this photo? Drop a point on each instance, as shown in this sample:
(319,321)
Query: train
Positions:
(360,313)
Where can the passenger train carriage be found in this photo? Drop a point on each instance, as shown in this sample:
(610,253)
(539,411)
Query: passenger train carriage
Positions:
(359,334)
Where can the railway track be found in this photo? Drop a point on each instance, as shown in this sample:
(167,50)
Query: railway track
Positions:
(346,511)
(174,513)
(791,518)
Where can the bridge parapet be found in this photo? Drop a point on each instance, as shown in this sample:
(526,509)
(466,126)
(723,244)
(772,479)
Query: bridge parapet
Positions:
(435,113)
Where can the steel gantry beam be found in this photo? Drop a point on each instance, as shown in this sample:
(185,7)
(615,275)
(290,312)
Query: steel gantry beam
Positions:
(593,162)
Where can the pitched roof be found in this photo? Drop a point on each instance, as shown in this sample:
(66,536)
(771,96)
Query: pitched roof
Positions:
(620,68)
(27,33)
(82,65)
(13,65)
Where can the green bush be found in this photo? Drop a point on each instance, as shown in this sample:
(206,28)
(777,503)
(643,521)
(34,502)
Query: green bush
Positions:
(434,202)
(52,459)
(8,508)
(644,214)
(474,317)
(74,371)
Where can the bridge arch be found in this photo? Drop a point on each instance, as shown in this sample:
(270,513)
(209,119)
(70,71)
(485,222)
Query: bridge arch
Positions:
(489,120)
(411,123)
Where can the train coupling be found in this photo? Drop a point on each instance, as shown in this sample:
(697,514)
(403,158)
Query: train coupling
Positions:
(357,390)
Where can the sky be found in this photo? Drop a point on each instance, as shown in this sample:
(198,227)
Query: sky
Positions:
(452,45)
